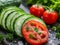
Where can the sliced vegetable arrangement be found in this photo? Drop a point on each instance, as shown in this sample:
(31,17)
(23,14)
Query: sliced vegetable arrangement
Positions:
(24,25)
(31,26)
(48,10)
(51,14)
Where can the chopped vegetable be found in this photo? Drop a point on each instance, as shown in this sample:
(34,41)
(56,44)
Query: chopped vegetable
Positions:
(54,28)
(36,29)
(58,35)
(9,37)
(27,28)
(58,27)
(31,36)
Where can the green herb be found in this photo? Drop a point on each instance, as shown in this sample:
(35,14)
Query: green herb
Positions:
(36,29)
(58,35)
(27,28)
(58,27)
(39,33)
(1,38)
(9,37)
(30,2)
(54,28)
(31,36)
(43,2)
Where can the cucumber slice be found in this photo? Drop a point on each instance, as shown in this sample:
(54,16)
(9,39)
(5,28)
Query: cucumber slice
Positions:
(14,18)
(8,19)
(3,22)
(12,21)
(10,8)
(14,8)
(4,11)
(18,23)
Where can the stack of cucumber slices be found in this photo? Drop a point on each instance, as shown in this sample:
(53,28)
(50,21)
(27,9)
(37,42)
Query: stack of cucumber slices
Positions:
(13,18)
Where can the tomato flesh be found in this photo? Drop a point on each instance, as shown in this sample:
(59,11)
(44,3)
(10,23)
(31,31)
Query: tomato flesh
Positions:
(36,33)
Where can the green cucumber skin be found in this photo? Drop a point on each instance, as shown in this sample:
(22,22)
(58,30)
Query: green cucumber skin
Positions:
(36,19)
(17,25)
(13,8)
(14,18)
(18,10)
(7,9)
(9,18)
(3,21)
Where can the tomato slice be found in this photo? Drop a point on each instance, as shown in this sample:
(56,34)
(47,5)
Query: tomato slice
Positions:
(34,32)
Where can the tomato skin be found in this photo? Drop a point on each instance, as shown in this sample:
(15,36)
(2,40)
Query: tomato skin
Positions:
(33,44)
(50,17)
(37,10)
(31,41)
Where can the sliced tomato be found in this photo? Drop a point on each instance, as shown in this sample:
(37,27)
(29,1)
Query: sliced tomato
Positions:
(32,44)
(35,33)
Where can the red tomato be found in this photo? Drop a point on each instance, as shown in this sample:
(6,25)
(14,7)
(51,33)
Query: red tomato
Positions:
(50,17)
(35,33)
(37,10)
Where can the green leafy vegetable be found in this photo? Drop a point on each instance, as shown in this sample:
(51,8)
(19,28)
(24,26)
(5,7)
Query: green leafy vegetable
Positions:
(30,2)
(43,2)
(58,27)
(54,28)
(58,35)
(9,37)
